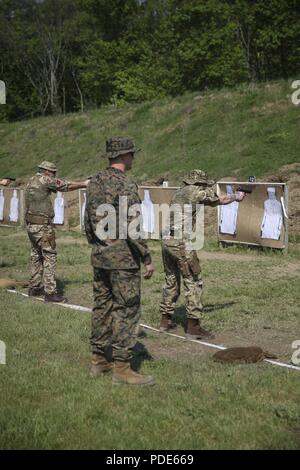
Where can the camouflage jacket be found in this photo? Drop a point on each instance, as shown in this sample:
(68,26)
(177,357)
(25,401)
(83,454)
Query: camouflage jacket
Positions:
(190,195)
(38,194)
(106,188)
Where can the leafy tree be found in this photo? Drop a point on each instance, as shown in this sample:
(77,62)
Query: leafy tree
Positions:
(65,55)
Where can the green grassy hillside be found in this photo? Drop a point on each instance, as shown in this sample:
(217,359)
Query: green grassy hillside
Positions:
(227,132)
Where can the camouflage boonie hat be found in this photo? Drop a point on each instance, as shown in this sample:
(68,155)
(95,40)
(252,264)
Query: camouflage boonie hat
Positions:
(48,166)
(197,177)
(116,146)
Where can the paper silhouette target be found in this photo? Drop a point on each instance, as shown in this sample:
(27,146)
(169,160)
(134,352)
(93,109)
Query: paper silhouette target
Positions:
(14,207)
(273,216)
(228,215)
(148,213)
(10,206)
(2,201)
(59,209)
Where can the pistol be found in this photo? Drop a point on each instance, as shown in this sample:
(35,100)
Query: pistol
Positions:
(240,189)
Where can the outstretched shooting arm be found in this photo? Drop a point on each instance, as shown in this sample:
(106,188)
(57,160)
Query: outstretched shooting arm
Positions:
(73,185)
(208,197)
(6,180)
(229,198)
(241,189)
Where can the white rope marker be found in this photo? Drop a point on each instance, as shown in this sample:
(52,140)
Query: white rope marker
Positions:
(210,345)
(73,307)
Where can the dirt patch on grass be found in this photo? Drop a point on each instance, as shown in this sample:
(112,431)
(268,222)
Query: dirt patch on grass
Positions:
(157,345)
(275,341)
(162,346)
(289,269)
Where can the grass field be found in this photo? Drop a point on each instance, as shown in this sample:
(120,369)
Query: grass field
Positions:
(48,400)
(229,132)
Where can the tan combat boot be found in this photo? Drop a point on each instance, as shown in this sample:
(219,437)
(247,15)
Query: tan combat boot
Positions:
(99,365)
(123,374)
(195,331)
(166,322)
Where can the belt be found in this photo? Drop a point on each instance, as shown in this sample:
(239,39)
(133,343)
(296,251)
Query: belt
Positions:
(38,219)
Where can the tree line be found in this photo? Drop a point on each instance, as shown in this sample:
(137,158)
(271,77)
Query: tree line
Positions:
(60,56)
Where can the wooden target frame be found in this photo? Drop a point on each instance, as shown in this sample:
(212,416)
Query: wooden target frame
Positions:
(8,194)
(251,212)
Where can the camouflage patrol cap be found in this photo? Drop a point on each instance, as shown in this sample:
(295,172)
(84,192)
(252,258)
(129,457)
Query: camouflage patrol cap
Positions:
(116,146)
(47,166)
(197,177)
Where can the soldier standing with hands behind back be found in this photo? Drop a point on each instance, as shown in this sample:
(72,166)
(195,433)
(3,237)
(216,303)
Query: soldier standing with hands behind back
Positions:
(116,264)
(39,216)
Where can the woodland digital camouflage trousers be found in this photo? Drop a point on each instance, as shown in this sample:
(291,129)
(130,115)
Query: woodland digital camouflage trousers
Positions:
(43,257)
(116,312)
(178,262)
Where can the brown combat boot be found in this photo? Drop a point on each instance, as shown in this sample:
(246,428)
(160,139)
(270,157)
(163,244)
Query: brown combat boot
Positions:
(55,298)
(123,374)
(99,365)
(166,322)
(36,291)
(195,331)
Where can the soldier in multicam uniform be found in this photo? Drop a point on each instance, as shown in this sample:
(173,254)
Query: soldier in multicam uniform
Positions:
(181,261)
(116,263)
(39,216)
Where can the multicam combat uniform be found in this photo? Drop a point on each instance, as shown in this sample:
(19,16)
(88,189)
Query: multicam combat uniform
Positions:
(39,216)
(178,260)
(116,265)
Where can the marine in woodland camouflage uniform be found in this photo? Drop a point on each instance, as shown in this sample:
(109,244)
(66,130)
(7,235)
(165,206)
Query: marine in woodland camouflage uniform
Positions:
(179,261)
(39,216)
(116,264)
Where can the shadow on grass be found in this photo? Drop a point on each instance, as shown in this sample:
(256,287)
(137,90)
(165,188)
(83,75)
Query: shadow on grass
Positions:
(62,284)
(140,354)
(212,307)
(6,264)
(180,312)
(180,316)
